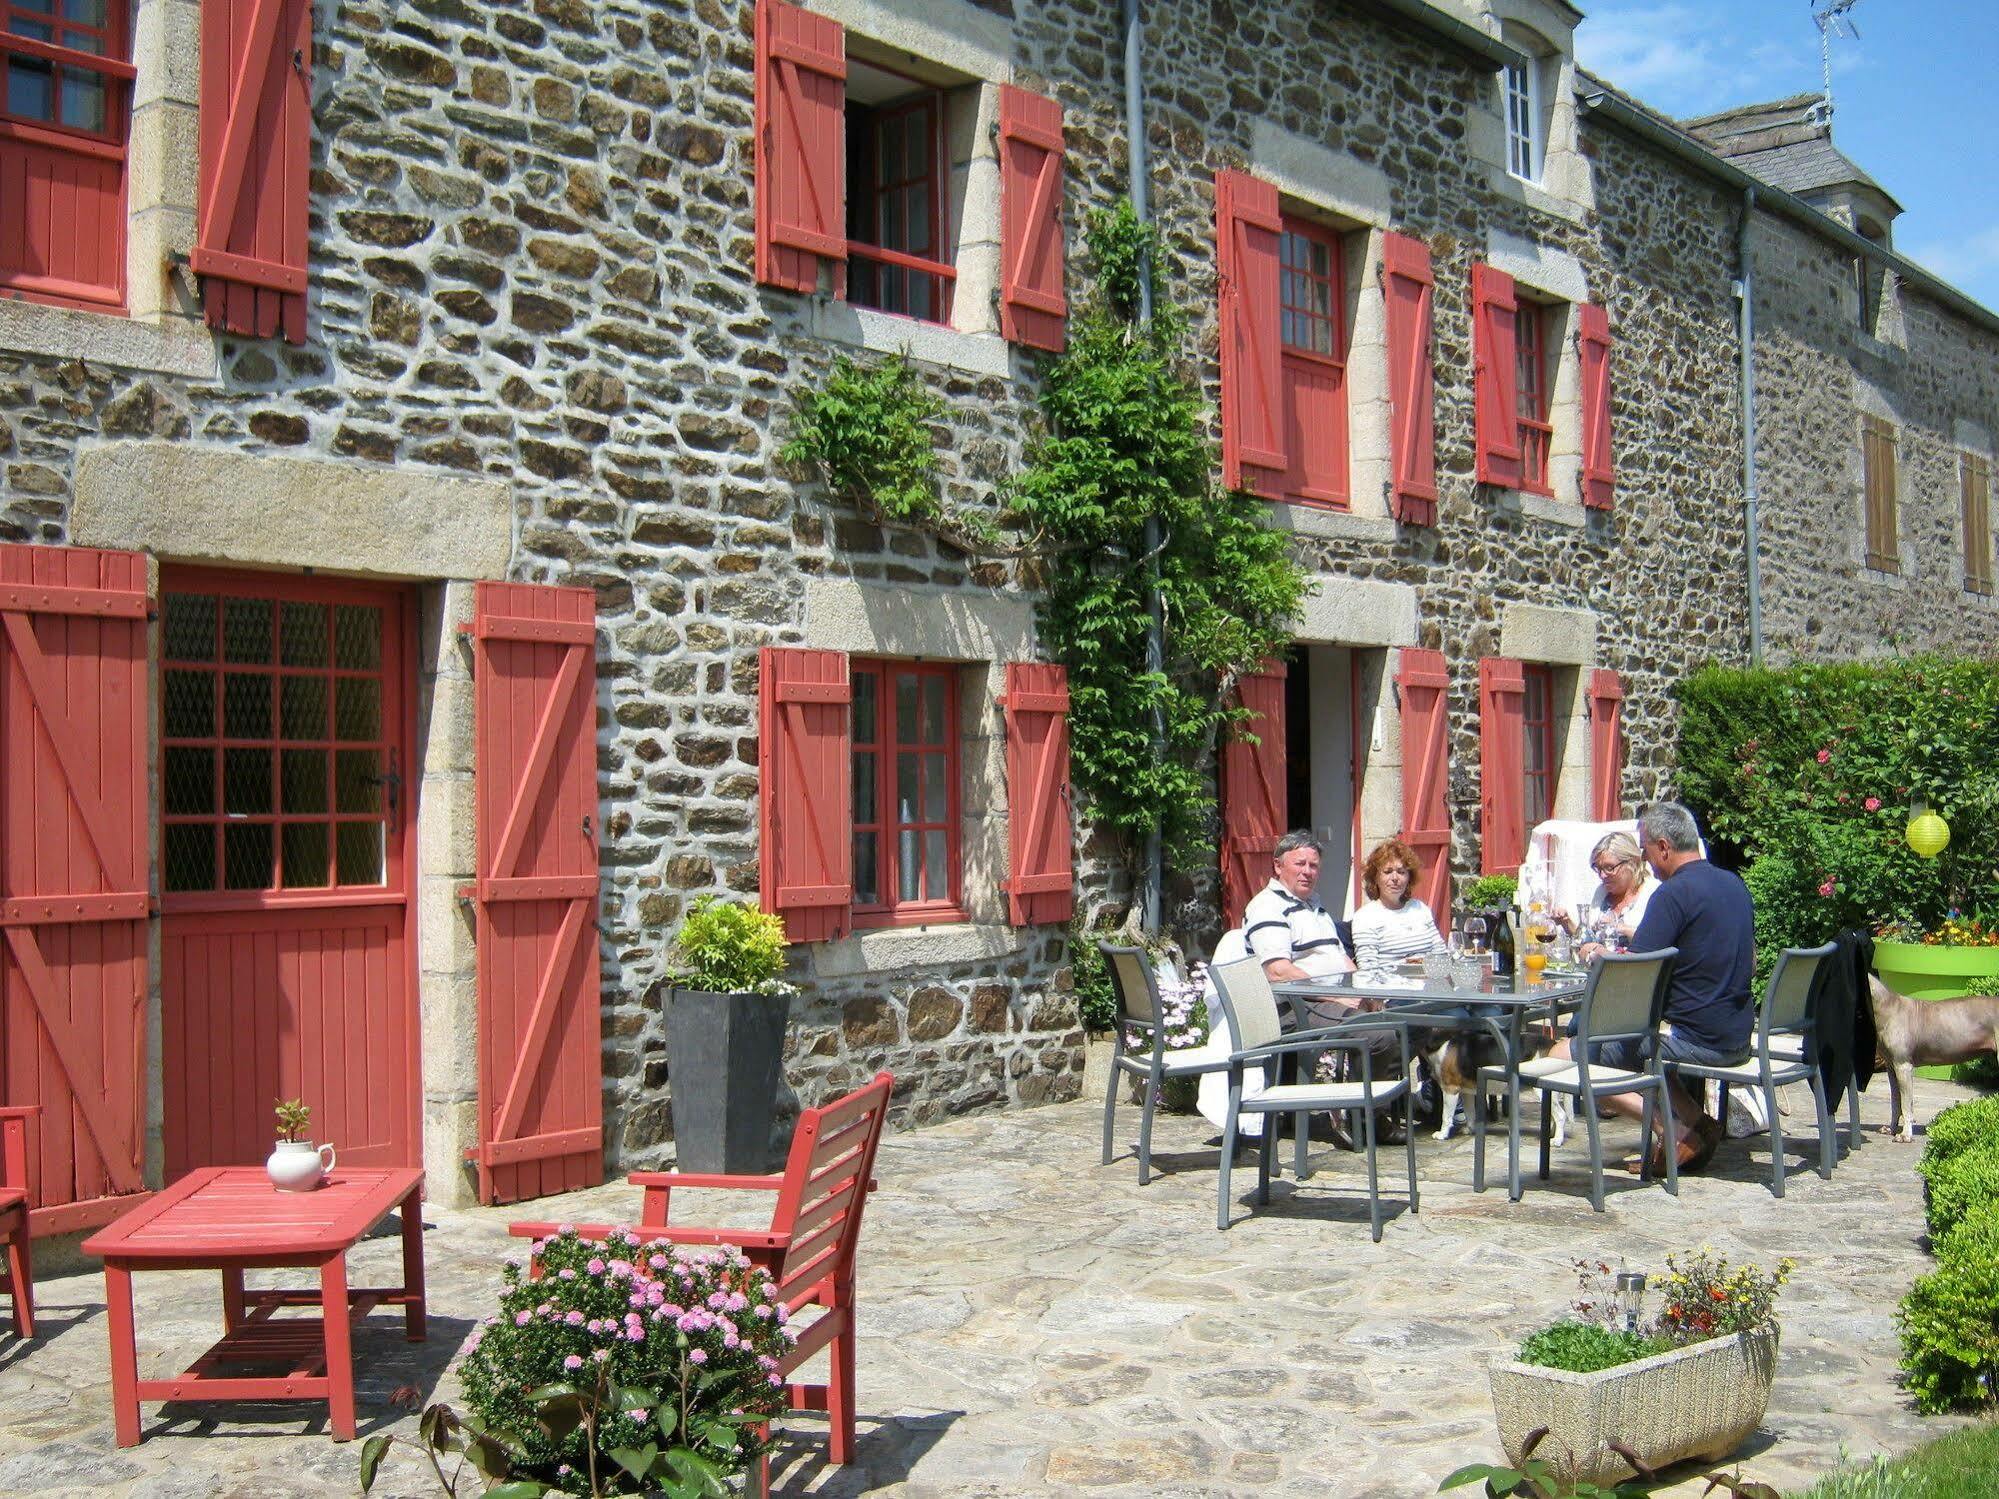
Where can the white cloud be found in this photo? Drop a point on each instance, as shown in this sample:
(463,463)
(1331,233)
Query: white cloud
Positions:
(1678,59)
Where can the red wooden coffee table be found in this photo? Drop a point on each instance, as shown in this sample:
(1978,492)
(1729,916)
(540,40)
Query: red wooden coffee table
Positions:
(230,1218)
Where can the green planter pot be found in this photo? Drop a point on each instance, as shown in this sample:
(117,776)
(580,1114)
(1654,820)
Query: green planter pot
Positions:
(1923,971)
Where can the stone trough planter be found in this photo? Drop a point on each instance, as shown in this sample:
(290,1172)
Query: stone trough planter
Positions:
(1697,1401)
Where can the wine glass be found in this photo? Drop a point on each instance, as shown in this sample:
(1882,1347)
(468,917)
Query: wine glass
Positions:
(1474,943)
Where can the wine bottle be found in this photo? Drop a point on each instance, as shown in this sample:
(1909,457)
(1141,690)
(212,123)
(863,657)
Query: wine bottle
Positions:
(1505,947)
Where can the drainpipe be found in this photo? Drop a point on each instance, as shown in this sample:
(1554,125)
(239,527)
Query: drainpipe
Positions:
(1745,296)
(1155,650)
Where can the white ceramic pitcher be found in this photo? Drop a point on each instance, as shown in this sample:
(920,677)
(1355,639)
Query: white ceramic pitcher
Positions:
(298,1166)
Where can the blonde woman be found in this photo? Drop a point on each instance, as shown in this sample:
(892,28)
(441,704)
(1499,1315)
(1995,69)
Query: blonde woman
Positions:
(1624,888)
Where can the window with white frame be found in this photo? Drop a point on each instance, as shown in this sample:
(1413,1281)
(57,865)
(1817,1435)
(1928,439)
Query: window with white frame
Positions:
(1526,144)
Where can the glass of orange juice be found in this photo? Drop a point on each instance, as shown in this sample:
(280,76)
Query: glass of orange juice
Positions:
(1534,960)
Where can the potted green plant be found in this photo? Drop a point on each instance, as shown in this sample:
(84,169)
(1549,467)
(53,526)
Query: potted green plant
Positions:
(1605,1385)
(726,1012)
(296,1165)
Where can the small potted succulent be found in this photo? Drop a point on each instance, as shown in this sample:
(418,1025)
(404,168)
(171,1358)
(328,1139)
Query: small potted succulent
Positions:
(1600,1385)
(726,1013)
(296,1165)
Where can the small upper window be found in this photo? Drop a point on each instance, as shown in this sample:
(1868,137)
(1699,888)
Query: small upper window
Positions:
(897,256)
(1521,90)
(1530,358)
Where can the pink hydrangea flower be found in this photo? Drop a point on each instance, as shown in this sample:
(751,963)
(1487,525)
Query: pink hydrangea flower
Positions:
(574,1361)
(565,1273)
(1872,804)
(601,1355)
(697,1356)
(521,1319)
(574,1319)
(595,1267)
(1825,756)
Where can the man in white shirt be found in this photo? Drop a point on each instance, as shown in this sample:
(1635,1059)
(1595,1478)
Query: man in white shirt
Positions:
(1298,938)
(1284,924)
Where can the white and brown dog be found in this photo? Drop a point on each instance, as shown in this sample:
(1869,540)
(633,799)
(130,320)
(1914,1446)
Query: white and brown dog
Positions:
(1912,1033)
(1455,1064)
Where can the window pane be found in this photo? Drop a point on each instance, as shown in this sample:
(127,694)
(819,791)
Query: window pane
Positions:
(306,848)
(865,773)
(936,789)
(303,629)
(187,856)
(906,788)
(905,708)
(909,874)
(83,98)
(889,144)
(246,782)
(305,782)
(361,849)
(246,629)
(89,12)
(936,869)
(187,708)
(867,883)
(917,126)
(936,694)
(246,706)
(864,707)
(303,708)
(187,628)
(357,708)
(357,781)
(246,856)
(188,781)
(357,637)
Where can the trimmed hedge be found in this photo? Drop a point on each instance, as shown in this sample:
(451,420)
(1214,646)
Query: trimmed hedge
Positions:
(1949,1321)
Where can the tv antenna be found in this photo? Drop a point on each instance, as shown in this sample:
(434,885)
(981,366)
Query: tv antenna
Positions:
(1834,18)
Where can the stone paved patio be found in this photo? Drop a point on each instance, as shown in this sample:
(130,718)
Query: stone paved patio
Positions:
(1037,1323)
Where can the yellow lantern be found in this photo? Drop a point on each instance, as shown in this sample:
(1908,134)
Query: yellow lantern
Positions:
(1928,834)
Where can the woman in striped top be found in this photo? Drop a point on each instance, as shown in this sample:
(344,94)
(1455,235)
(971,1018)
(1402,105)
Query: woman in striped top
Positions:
(1393,925)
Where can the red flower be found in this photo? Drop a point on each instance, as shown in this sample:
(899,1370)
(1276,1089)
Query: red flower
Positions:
(1824,756)
(1827,888)
(1872,804)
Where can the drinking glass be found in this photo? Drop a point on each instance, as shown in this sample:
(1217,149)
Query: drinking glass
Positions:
(1474,946)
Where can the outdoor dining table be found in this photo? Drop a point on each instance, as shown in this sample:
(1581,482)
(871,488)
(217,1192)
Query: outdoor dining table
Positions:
(1499,1006)
(230,1218)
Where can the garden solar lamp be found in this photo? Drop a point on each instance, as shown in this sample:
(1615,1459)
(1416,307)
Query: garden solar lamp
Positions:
(1631,1296)
(1928,834)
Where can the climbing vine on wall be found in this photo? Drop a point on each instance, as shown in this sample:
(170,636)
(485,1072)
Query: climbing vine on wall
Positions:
(1124,441)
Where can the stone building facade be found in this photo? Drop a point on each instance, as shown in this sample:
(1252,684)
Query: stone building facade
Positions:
(536,348)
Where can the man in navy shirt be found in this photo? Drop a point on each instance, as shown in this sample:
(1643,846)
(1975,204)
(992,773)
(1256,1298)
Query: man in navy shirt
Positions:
(1706,913)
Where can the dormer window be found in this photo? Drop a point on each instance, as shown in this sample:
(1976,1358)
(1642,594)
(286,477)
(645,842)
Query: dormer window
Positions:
(1525,142)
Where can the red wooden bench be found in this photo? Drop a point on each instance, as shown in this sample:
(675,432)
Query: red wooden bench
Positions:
(18,1282)
(809,1246)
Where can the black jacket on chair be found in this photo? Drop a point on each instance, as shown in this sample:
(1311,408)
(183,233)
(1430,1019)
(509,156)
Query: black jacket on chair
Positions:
(1846,1015)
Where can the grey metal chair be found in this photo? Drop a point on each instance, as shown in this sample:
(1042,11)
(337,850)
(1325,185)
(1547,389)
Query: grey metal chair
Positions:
(1141,1012)
(1623,1001)
(1246,997)
(1786,1052)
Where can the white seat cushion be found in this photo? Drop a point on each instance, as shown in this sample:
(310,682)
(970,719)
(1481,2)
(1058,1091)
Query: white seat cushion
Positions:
(1562,1072)
(1783,1070)
(1313,1096)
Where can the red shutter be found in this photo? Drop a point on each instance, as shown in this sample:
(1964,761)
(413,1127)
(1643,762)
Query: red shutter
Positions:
(801,145)
(1408,291)
(1606,746)
(73,873)
(1502,749)
(1253,787)
(1425,684)
(256,131)
(1495,378)
(1032,306)
(1247,225)
(807,864)
(1041,880)
(541,1045)
(1593,343)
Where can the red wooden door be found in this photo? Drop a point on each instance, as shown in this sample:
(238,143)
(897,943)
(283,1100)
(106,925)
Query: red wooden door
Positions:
(1253,791)
(541,1107)
(73,899)
(286,951)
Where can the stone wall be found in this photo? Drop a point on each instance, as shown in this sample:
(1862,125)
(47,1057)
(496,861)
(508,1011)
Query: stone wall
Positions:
(532,257)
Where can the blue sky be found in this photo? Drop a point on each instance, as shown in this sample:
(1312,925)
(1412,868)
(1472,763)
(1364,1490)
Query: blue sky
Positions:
(1913,98)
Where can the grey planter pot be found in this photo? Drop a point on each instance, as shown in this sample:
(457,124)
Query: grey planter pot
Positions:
(1699,1401)
(725,1062)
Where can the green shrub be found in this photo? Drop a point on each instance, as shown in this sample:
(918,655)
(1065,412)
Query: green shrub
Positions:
(730,947)
(1096,1000)
(1816,765)
(1949,1321)
(1489,891)
(1961,1127)
(1585,1347)
(1955,1185)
